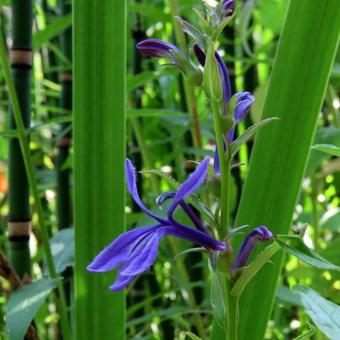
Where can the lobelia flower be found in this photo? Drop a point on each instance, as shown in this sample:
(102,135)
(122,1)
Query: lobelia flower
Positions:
(257,235)
(244,100)
(133,252)
(228,5)
(161,49)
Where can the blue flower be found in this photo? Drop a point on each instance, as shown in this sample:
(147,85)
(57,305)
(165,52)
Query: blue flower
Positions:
(161,49)
(133,252)
(257,235)
(244,100)
(228,5)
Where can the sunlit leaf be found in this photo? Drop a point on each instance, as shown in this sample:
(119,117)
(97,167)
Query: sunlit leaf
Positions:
(295,246)
(324,313)
(23,305)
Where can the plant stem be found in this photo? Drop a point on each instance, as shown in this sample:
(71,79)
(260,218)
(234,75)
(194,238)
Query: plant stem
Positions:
(224,167)
(189,90)
(24,146)
(232,314)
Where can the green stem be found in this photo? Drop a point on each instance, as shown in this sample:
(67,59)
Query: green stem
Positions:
(24,146)
(232,314)
(224,167)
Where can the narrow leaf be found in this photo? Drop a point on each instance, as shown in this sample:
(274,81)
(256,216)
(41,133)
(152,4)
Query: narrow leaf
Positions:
(250,271)
(327,148)
(249,133)
(217,297)
(54,29)
(300,74)
(295,246)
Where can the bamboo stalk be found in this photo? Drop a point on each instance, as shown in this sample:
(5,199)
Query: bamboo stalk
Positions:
(99,153)
(64,212)
(27,161)
(19,207)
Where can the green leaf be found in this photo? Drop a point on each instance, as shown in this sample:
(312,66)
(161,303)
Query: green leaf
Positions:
(249,133)
(62,247)
(306,336)
(327,148)
(155,113)
(24,304)
(217,296)
(54,29)
(331,219)
(295,246)
(250,271)
(99,152)
(299,77)
(190,335)
(287,296)
(324,313)
(211,75)
(192,31)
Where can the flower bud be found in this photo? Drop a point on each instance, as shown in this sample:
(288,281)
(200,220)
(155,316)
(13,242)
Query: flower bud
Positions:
(211,76)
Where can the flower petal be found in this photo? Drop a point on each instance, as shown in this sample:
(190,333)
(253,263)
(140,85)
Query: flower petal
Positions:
(116,253)
(225,78)
(228,5)
(243,104)
(194,181)
(157,48)
(130,174)
(144,254)
(121,282)
(257,235)
(196,236)
(217,159)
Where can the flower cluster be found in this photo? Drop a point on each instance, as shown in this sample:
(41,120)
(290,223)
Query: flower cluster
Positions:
(133,252)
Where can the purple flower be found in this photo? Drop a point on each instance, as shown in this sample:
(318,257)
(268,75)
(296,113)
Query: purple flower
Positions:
(161,49)
(200,55)
(257,235)
(133,252)
(244,100)
(228,5)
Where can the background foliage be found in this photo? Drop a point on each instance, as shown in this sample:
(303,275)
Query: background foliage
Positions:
(172,299)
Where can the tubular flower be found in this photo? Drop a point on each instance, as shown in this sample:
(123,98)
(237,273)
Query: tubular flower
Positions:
(133,252)
(228,5)
(200,55)
(257,235)
(244,100)
(161,49)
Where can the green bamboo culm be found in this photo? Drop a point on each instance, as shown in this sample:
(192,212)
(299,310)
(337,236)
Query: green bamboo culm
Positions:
(300,74)
(19,207)
(64,205)
(99,153)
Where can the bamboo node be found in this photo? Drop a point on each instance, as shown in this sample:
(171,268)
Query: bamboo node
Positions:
(21,57)
(22,228)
